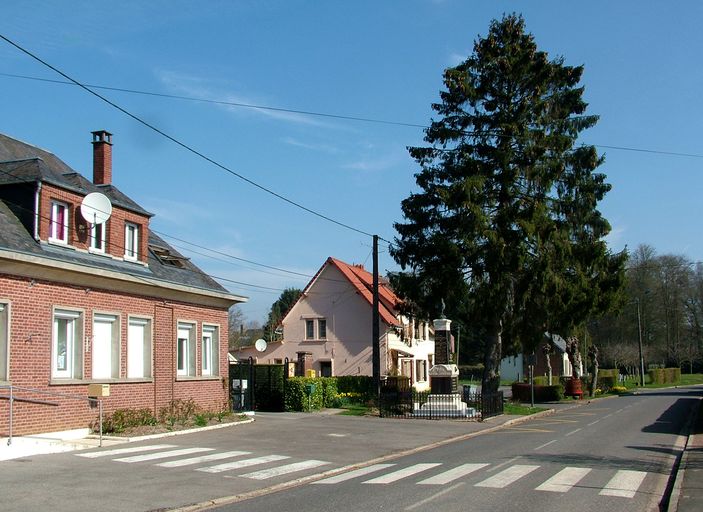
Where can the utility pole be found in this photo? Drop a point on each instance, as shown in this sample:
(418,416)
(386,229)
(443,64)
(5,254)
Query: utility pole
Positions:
(375,326)
(639,333)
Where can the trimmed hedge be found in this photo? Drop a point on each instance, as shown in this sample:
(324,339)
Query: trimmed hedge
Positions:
(470,371)
(521,392)
(361,385)
(664,375)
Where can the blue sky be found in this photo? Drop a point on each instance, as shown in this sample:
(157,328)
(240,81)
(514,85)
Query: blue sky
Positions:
(370,59)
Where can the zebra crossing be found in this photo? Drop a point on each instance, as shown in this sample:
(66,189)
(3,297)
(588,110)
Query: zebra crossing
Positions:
(242,464)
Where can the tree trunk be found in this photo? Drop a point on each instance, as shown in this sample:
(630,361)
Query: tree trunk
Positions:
(491,359)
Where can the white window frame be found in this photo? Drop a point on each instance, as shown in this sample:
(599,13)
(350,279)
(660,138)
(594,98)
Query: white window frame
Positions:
(59,233)
(110,321)
(72,367)
(320,329)
(131,241)
(185,349)
(210,350)
(94,230)
(4,341)
(139,348)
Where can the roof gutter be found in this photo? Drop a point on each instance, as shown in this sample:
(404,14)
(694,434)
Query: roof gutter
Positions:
(37,197)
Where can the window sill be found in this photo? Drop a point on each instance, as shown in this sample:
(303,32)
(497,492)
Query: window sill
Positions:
(73,382)
(189,378)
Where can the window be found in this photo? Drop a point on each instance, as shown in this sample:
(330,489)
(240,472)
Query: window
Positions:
(67,348)
(106,347)
(58,227)
(210,350)
(322,329)
(421,370)
(97,237)
(4,342)
(325,368)
(131,241)
(139,348)
(309,329)
(185,350)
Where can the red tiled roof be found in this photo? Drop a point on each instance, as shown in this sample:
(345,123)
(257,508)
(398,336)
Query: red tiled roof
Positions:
(362,280)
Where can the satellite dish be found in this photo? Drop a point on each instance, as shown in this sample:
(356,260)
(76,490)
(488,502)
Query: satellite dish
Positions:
(96,208)
(260,345)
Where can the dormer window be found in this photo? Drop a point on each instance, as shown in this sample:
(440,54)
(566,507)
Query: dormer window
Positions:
(97,237)
(131,241)
(58,227)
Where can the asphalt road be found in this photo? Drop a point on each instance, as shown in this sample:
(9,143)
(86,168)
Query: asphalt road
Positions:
(609,455)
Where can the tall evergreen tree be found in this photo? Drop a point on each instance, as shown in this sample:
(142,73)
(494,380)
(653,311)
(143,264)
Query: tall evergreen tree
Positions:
(285,301)
(505,227)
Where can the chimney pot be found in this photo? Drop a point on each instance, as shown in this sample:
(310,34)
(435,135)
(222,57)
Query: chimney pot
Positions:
(102,157)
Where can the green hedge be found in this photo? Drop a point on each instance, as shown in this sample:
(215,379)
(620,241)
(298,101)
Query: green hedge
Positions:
(664,375)
(360,386)
(606,382)
(324,393)
(521,392)
(470,372)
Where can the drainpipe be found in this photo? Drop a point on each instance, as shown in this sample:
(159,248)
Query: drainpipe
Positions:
(37,196)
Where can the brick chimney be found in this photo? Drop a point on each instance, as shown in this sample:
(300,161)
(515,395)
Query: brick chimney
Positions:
(102,157)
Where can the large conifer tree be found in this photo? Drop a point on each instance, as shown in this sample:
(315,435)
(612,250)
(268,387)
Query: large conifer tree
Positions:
(505,227)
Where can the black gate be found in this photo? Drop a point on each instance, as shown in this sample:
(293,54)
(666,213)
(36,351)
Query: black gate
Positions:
(258,387)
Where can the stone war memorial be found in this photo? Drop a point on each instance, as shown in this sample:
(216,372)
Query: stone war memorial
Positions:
(445,399)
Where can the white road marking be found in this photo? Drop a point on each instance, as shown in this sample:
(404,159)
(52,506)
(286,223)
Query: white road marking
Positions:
(162,455)
(238,464)
(624,484)
(337,435)
(284,470)
(434,496)
(546,444)
(497,467)
(452,474)
(564,480)
(120,451)
(572,432)
(202,458)
(354,474)
(507,476)
(403,473)
(593,423)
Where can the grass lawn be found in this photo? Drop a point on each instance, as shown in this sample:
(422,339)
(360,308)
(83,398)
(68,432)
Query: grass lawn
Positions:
(354,410)
(521,410)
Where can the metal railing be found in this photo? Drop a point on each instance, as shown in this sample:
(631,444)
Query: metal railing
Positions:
(12,397)
(396,402)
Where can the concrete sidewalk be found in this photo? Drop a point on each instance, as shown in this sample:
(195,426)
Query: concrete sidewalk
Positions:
(688,488)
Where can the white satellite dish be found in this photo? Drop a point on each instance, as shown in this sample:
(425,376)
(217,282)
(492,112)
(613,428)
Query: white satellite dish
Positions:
(260,345)
(96,208)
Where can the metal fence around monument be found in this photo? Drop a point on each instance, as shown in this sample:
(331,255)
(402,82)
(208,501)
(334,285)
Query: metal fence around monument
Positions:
(399,401)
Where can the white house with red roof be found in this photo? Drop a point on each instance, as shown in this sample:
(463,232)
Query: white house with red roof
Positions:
(329,329)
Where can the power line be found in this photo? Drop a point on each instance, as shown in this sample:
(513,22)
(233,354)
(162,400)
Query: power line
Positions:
(307,112)
(184,145)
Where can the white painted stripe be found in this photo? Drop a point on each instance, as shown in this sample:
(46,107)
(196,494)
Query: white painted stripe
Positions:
(284,470)
(507,476)
(572,432)
(593,423)
(120,451)
(564,480)
(162,455)
(546,444)
(624,484)
(452,474)
(434,497)
(202,458)
(354,474)
(403,473)
(238,464)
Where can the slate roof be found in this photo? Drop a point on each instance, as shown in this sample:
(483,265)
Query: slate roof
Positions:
(24,163)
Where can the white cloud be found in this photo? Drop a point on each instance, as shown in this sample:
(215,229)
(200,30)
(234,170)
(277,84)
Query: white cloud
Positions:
(198,87)
(379,163)
(324,148)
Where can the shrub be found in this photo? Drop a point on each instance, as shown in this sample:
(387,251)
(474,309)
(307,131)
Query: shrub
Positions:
(664,375)
(178,411)
(606,382)
(521,392)
(470,372)
(122,419)
(358,388)
(296,397)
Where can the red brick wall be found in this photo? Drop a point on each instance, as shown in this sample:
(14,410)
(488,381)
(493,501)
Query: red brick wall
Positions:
(79,230)
(30,343)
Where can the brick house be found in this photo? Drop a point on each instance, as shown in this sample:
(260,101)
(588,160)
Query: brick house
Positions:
(328,329)
(96,302)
